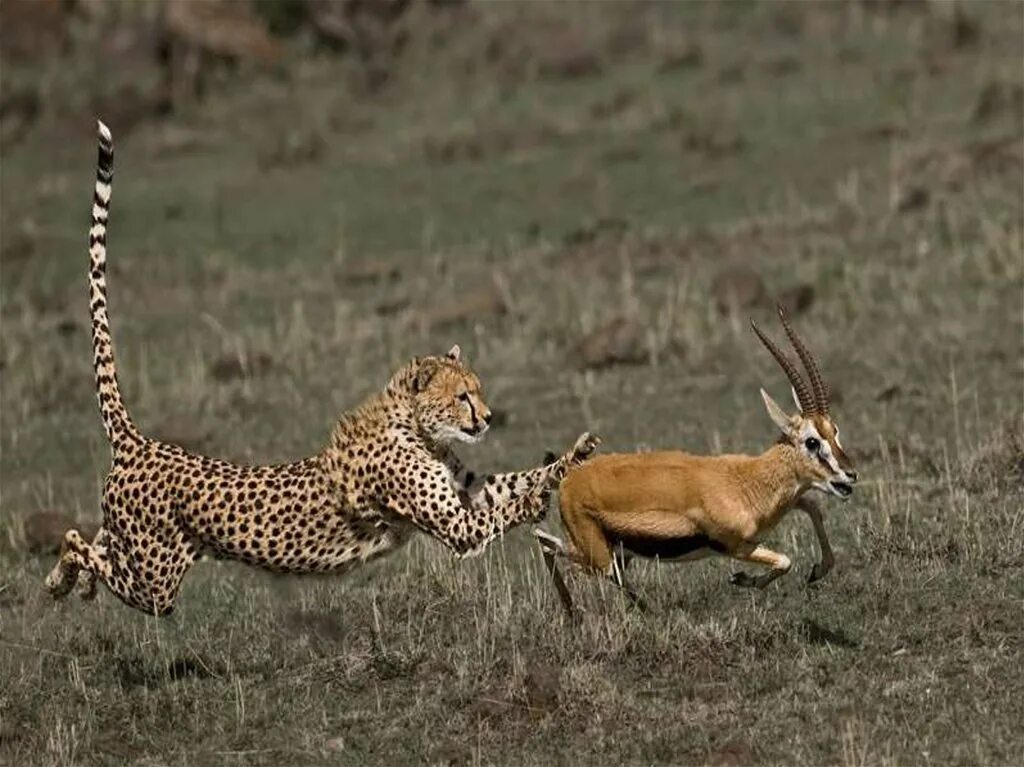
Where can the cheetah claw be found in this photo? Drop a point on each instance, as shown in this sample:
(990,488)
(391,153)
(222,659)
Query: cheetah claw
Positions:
(585,446)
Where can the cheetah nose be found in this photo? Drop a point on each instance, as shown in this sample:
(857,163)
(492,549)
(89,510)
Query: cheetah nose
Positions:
(488,417)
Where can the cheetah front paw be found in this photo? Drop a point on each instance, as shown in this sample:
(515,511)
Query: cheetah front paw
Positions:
(585,446)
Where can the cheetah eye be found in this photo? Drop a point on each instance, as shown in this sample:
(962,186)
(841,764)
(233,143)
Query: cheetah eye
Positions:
(812,445)
(464,397)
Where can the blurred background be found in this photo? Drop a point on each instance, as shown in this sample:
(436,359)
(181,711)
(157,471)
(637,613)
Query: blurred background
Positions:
(592,198)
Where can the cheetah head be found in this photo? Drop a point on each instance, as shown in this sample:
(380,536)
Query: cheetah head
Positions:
(448,401)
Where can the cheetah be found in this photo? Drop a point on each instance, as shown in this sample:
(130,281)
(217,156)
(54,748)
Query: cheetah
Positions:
(387,470)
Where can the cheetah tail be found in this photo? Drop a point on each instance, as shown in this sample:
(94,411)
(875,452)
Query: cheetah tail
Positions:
(116,421)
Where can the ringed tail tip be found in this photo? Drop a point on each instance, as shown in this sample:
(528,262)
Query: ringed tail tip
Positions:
(104,131)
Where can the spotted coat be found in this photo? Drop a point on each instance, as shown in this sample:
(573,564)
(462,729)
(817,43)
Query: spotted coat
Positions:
(387,471)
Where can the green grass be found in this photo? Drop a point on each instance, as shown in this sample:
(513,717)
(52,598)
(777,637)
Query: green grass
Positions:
(465,171)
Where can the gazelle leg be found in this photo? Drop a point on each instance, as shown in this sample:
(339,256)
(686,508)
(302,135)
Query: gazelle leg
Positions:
(616,572)
(553,547)
(823,567)
(779,564)
(550,548)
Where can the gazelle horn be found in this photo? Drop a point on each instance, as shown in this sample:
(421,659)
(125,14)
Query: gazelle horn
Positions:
(818,386)
(803,396)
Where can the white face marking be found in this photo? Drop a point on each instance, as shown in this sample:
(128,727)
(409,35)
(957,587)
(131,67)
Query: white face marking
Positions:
(825,454)
(446,433)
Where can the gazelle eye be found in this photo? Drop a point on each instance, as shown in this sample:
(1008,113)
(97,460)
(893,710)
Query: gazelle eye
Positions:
(812,444)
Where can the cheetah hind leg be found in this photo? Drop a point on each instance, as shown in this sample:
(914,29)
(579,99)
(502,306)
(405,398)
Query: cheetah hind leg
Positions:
(87,579)
(70,563)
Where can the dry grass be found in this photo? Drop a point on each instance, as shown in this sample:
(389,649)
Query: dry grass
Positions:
(258,290)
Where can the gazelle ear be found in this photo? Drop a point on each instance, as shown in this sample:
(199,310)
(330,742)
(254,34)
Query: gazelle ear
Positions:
(776,413)
(454,353)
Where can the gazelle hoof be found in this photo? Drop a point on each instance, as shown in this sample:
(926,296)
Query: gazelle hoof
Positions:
(818,572)
(744,580)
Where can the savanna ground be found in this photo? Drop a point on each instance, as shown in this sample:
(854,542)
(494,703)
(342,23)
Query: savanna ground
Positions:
(527,174)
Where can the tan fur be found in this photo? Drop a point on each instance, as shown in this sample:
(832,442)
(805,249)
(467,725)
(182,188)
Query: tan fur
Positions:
(674,505)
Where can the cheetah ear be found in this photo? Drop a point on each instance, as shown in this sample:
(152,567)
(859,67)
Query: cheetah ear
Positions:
(454,353)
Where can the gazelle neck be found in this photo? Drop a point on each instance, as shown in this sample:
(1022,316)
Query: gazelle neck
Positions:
(774,483)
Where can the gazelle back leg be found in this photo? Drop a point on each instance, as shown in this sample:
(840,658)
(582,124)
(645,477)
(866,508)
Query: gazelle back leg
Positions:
(551,548)
(589,547)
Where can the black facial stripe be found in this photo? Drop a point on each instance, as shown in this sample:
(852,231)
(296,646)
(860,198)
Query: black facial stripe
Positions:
(472,410)
(823,461)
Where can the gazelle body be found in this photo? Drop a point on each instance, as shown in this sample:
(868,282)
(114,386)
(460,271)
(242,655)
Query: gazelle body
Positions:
(678,506)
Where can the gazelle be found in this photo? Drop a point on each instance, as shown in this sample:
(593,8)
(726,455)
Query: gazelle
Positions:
(682,507)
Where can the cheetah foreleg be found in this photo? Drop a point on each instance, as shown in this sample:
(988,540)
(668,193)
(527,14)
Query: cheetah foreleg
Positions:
(496,490)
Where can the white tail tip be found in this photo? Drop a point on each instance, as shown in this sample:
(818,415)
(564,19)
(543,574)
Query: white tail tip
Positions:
(104,131)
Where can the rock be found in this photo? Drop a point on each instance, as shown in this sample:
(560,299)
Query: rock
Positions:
(889,393)
(242,365)
(171,139)
(67,326)
(196,33)
(293,146)
(964,30)
(686,56)
(713,143)
(543,685)
(619,341)
(221,27)
(482,305)
(608,226)
(182,432)
(997,98)
(736,288)
(391,306)
(569,58)
(370,270)
(33,29)
(783,66)
(18,111)
(44,530)
(797,299)
(912,198)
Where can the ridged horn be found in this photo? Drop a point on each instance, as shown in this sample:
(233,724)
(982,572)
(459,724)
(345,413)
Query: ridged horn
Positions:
(803,396)
(818,387)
